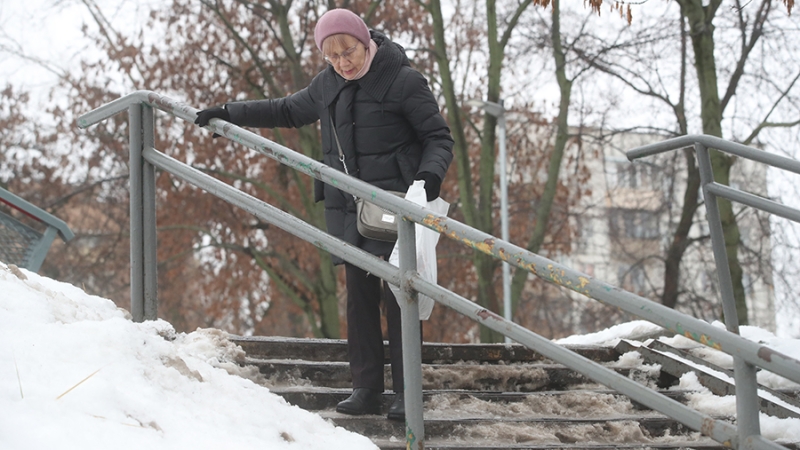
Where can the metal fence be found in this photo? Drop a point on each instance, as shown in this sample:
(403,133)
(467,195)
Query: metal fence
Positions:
(145,159)
(22,245)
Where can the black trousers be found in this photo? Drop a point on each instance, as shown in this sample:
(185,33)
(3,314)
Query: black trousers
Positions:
(364,335)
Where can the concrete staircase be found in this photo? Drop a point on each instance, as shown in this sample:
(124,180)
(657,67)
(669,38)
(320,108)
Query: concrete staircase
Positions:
(481,397)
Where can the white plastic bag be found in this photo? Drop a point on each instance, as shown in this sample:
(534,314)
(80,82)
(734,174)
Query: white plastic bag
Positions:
(426,246)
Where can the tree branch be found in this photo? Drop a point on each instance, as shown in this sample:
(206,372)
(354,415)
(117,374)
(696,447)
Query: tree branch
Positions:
(238,38)
(764,123)
(513,22)
(747,47)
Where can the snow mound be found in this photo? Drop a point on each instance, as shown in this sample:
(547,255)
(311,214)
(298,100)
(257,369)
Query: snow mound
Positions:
(76,373)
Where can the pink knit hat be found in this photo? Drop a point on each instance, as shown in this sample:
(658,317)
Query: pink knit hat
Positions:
(340,21)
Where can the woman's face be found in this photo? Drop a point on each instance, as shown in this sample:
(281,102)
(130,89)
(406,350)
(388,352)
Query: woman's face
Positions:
(345,53)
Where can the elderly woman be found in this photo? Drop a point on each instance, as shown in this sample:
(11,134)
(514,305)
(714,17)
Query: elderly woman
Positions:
(381,117)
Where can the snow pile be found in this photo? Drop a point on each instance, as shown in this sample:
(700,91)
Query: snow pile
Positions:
(779,430)
(635,330)
(76,373)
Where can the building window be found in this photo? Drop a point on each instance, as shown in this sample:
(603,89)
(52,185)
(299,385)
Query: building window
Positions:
(585,233)
(634,223)
(630,175)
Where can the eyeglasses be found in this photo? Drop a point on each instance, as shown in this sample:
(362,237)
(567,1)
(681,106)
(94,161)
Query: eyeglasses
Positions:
(347,54)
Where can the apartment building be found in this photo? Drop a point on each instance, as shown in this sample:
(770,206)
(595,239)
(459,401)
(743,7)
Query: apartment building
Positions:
(626,223)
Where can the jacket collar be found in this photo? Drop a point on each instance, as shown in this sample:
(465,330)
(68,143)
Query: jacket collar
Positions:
(385,67)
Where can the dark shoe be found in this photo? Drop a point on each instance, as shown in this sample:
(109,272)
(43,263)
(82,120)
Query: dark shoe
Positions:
(398,409)
(362,401)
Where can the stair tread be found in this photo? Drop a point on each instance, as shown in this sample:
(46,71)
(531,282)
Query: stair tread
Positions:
(460,364)
(429,419)
(440,444)
(481,397)
(546,431)
(318,398)
(487,377)
(325,349)
(348,390)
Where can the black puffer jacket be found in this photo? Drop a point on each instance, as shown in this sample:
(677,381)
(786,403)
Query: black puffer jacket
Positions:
(388,123)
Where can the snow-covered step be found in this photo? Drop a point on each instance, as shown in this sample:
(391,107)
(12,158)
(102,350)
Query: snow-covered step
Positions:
(489,444)
(482,397)
(718,380)
(518,377)
(505,432)
(452,401)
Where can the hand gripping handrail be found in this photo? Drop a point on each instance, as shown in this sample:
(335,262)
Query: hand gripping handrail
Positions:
(411,283)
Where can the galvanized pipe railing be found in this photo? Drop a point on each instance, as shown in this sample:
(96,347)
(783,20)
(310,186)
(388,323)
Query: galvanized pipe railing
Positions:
(410,283)
(55,227)
(720,144)
(747,401)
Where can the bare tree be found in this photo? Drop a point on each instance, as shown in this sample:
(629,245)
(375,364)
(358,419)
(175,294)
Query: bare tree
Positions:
(642,63)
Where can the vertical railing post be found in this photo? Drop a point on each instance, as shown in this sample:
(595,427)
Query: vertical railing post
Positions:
(717,241)
(137,230)
(40,251)
(744,374)
(149,218)
(748,408)
(508,314)
(412,346)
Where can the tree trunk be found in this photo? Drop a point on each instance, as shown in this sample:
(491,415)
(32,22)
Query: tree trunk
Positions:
(325,281)
(477,214)
(554,169)
(680,238)
(702,32)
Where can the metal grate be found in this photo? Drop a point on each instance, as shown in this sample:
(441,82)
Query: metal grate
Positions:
(17,241)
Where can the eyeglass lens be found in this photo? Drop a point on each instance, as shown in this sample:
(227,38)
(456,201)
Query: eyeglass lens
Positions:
(333,59)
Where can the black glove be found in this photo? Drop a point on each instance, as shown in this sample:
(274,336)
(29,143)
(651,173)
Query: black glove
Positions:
(216,112)
(433,184)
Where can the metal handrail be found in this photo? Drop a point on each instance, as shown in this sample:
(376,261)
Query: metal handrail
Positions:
(140,106)
(744,372)
(712,190)
(55,227)
(733,148)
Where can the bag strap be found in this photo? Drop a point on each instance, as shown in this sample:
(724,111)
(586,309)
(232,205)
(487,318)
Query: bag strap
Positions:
(338,144)
(339,147)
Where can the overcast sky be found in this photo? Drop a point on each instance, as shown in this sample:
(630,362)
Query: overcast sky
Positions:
(47,30)
(50,31)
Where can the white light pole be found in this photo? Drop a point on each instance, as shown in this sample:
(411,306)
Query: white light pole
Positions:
(497,110)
